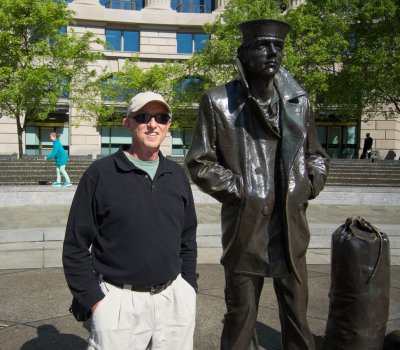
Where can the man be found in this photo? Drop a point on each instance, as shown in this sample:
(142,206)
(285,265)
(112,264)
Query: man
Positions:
(255,149)
(367,149)
(135,210)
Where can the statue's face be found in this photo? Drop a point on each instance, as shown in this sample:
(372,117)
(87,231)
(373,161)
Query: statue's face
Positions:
(263,57)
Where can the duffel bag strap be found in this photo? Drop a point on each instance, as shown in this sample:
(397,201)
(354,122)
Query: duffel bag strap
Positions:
(357,225)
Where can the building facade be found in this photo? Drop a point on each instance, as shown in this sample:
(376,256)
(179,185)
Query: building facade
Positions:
(156,31)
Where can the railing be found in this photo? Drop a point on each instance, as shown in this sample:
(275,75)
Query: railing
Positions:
(185,6)
(125,4)
(193,7)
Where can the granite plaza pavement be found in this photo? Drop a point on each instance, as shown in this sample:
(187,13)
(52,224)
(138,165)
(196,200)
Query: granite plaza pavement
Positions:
(34,298)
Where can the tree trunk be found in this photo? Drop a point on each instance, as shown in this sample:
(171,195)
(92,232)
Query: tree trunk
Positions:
(20,130)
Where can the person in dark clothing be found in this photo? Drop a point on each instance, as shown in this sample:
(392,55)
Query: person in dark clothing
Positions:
(130,248)
(255,149)
(367,149)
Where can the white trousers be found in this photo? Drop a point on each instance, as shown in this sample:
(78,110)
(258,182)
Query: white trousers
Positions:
(126,320)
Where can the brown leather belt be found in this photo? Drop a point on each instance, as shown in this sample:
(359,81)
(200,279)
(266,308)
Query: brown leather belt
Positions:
(155,289)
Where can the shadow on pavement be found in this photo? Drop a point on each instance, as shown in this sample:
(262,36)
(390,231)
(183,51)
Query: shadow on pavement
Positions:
(49,337)
(270,338)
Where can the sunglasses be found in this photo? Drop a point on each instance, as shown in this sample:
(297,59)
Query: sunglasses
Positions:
(160,118)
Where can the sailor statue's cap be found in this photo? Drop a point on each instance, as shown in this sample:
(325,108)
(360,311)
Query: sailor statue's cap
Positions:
(264,28)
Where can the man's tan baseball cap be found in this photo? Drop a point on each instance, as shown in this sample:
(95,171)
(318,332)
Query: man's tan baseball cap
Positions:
(142,99)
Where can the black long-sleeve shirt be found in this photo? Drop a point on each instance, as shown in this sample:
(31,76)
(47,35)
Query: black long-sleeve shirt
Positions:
(140,231)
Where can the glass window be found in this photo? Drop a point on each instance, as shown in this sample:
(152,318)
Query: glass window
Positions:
(186,42)
(113,137)
(127,4)
(115,4)
(63,132)
(200,41)
(110,90)
(113,39)
(181,140)
(192,6)
(131,41)
(61,30)
(119,40)
(349,141)
(113,89)
(321,130)
(31,135)
(188,84)
(65,88)
(349,135)
(123,4)
(37,139)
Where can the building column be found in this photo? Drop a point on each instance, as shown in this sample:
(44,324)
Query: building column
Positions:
(295,3)
(220,5)
(158,4)
(86,2)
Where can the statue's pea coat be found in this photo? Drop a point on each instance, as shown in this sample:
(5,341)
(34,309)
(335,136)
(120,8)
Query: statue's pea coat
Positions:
(227,158)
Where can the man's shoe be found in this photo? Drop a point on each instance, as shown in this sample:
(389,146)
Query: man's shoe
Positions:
(67,184)
(56,184)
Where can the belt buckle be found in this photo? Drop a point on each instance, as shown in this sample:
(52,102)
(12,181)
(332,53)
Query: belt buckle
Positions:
(157,288)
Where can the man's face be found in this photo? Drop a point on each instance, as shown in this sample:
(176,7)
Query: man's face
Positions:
(263,57)
(148,136)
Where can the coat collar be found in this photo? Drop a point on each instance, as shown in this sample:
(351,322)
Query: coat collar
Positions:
(292,131)
(286,86)
(124,164)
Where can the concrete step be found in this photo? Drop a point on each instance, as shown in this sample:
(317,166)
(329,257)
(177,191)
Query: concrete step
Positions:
(29,171)
(34,248)
(356,195)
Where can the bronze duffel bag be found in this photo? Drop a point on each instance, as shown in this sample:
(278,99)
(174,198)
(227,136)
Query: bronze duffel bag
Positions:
(360,282)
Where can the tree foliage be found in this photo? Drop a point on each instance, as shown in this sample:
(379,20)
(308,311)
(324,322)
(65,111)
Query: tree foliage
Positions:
(111,92)
(345,53)
(353,47)
(38,61)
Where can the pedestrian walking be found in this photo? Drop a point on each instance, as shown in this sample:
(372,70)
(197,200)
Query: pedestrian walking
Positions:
(61,159)
(367,149)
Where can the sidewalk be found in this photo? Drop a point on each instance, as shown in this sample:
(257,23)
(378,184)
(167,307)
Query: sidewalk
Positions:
(34,309)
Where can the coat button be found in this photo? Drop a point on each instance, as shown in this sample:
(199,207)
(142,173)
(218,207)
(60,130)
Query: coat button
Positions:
(265,211)
(258,171)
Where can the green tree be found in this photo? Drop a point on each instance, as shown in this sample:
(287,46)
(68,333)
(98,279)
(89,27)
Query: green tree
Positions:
(358,73)
(38,60)
(311,50)
(371,66)
(345,53)
(111,92)
(316,44)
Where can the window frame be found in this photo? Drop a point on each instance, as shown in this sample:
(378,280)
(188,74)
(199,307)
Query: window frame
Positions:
(123,43)
(196,44)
